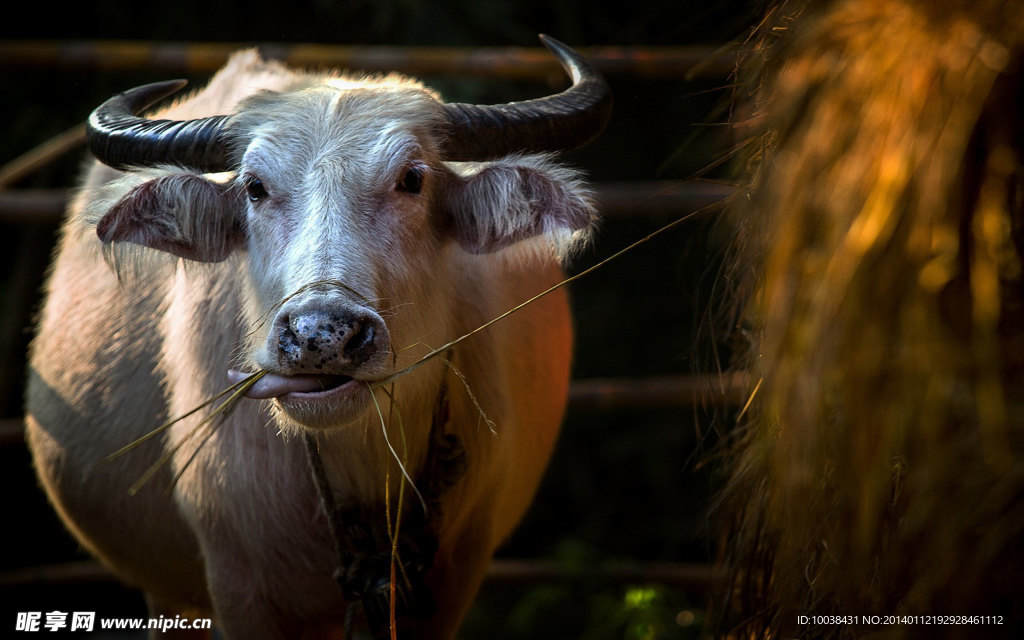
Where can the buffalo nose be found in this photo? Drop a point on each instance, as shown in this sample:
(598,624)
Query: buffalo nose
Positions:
(317,340)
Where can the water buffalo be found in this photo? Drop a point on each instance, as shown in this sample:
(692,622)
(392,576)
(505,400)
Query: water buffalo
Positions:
(328,231)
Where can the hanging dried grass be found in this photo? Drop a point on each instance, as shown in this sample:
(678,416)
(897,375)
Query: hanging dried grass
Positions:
(880,469)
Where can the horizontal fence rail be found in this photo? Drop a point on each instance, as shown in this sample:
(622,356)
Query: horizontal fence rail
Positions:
(33,206)
(658,392)
(514,63)
(46,206)
(692,577)
(12,431)
(596,394)
(41,156)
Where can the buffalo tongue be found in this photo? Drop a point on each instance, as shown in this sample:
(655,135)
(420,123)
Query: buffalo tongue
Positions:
(273,385)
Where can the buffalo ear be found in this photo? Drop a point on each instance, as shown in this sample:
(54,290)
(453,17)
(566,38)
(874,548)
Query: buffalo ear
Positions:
(515,199)
(182,214)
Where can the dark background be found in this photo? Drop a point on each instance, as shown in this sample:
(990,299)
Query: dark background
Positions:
(626,485)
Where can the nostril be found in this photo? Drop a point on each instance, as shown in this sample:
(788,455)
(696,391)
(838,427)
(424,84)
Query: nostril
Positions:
(304,324)
(360,339)
(288,343)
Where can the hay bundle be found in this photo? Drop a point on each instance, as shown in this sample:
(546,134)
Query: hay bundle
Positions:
(881,468)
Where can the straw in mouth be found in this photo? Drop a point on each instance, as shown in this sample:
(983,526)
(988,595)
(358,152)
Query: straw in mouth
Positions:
(273,385)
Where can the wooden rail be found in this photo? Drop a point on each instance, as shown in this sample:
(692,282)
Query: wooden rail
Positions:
(12,431)
(595,394)
(41,156)
(616,199)
(658,392)
(658,198)
(33,206)
(696,578)
(514,63)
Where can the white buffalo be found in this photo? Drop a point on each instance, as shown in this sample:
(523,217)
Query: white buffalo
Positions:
(329,232)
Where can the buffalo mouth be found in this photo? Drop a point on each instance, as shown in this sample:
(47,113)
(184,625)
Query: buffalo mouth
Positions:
(300,386)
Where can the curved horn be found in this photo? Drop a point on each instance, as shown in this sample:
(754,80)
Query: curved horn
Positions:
(556,123)
(117,137)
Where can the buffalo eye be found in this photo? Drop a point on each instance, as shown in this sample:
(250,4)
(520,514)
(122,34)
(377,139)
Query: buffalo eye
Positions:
(254,187)
(411,181)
